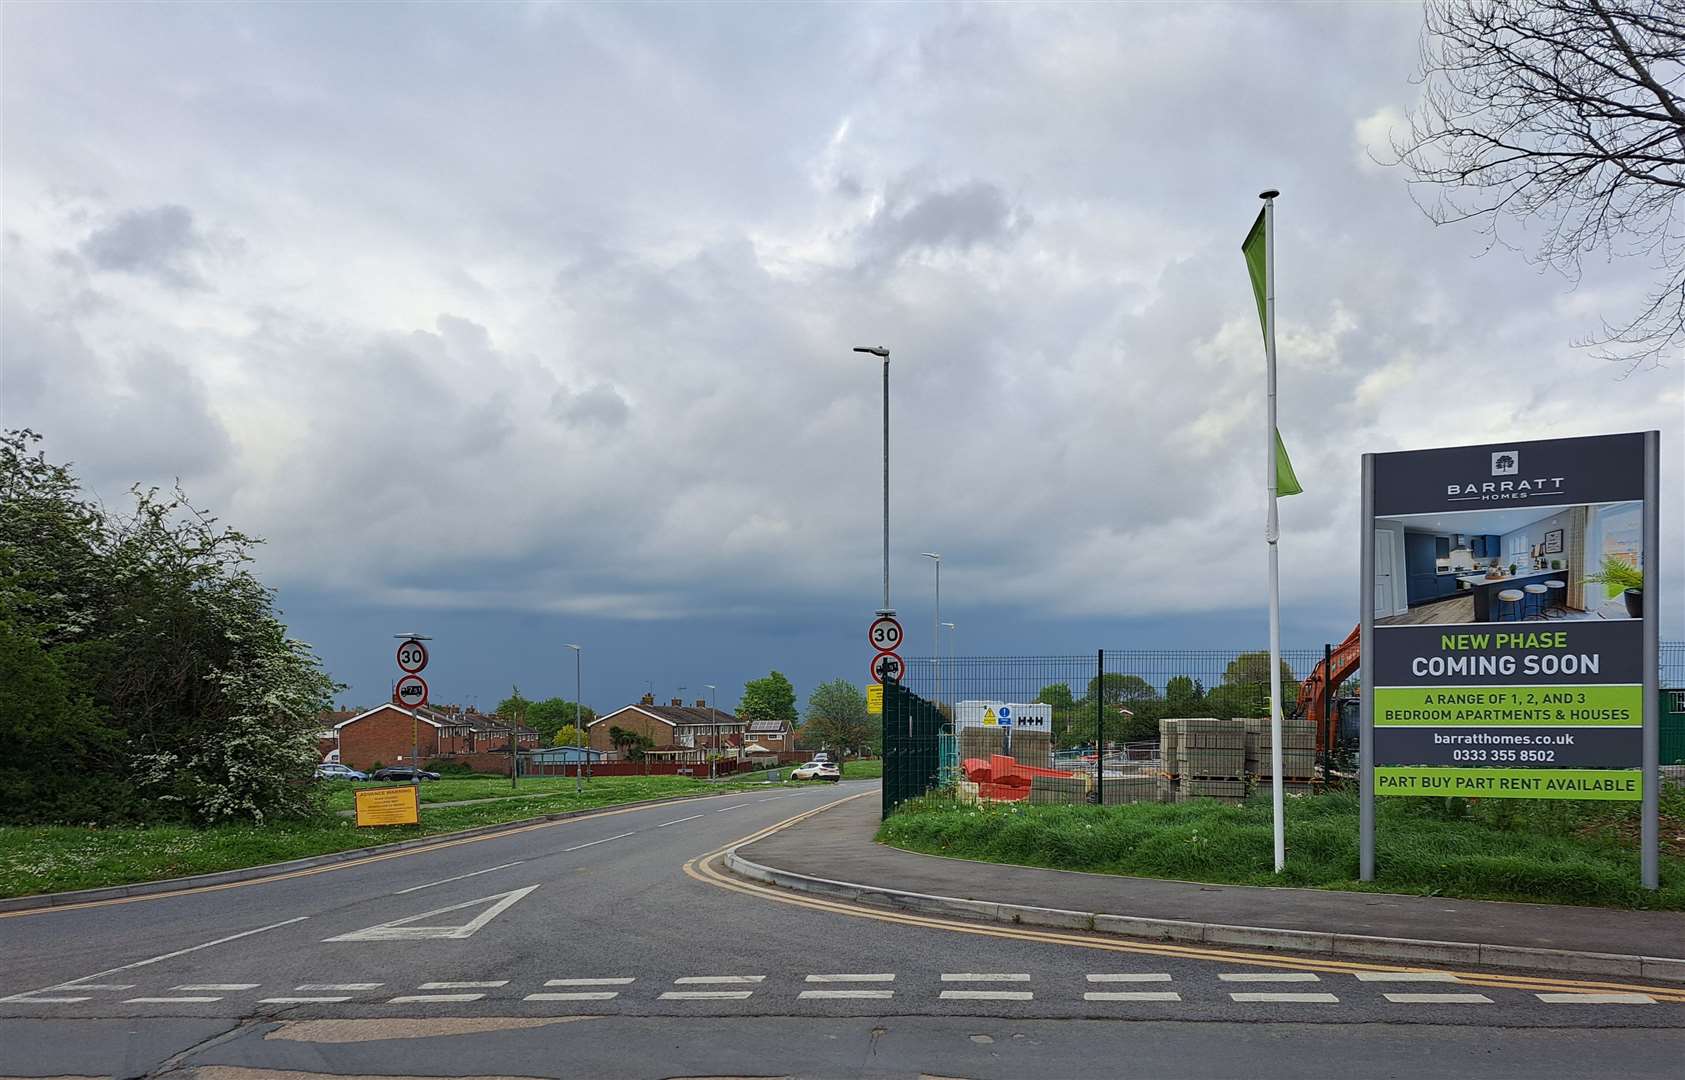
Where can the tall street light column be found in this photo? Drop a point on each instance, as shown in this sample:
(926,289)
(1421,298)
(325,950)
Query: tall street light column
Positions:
(714,719)
(883,353)
(578,721)
(936,622)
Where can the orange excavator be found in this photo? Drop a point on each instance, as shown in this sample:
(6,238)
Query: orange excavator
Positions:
(1314,695)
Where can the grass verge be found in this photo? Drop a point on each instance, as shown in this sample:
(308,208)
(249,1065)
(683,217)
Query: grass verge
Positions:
(53,858)
(1497,849)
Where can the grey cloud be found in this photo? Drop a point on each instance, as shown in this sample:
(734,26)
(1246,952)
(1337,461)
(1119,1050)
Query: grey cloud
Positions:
(155,242)
(961,217)
(599,405)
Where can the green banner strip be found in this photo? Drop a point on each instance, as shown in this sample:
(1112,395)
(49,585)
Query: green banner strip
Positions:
(1622,784)
(1498,706)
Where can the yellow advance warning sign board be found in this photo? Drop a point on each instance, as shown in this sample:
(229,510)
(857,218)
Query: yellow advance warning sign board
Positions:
(874,699)
(389,806)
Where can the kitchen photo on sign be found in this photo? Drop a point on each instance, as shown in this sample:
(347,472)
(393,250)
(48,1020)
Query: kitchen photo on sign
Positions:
(1511,565)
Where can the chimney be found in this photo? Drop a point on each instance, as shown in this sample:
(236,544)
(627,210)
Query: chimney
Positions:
(701,703)
(678,702)
(648,699)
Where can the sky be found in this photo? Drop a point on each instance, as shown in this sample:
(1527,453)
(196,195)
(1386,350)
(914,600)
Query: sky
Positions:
(525,324)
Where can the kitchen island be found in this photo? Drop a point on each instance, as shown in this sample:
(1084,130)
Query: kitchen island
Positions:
(1486,589)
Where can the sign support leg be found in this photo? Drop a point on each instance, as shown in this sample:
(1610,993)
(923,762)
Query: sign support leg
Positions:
(1366,687)
(1649,837)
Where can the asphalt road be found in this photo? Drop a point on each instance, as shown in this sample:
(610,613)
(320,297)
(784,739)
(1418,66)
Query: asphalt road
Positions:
(584,948)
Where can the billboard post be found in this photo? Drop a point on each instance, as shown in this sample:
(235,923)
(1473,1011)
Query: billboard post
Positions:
(1649,842)
(1366,699)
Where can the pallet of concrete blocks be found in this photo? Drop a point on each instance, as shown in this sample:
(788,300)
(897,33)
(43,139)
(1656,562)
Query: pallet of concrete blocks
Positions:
(1169,734)
(980,742)
(1298,748)
(1132,789)
(1229,791)
(1058,789)
(1212,749)
(1033,748)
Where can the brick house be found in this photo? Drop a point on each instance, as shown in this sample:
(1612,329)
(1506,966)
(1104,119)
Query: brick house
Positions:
(671,727)
(775,735)
(385,734)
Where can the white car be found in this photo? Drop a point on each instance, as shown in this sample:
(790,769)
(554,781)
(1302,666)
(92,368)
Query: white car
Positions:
(333,770)
(817,770)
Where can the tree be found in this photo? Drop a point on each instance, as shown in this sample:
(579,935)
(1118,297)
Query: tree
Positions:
(1183,695)
(1120,690)
(1057,695)
(555,710)
(568,735)
(769,698)
(1561,116)
(515,706)
(836,716)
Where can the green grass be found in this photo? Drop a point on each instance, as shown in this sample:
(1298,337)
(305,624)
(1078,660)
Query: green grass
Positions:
(869,769)
(52,858)
(1497,849)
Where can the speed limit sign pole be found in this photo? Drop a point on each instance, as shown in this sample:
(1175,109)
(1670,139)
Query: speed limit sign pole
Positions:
(412,659)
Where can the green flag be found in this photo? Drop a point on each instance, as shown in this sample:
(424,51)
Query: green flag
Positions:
(1286,483)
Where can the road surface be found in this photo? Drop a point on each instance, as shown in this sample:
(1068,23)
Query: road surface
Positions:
(615,946)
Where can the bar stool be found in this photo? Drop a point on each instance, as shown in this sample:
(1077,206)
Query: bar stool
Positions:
(1535,608)
(1509,600)
(1557,606)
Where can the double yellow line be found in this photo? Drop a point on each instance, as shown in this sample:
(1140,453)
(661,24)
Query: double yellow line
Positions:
(705,868)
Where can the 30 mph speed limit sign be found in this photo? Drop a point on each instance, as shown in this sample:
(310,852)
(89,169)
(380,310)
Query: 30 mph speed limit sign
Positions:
(412,690)
(412,656)
(887,668)
(885,634)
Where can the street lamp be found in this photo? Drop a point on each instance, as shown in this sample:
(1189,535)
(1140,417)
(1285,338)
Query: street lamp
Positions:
(936,622)
(578,722)
(714,719)
(883,353)
(948,626)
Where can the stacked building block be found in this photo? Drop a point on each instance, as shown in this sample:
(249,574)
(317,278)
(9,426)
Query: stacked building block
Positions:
(1033,748)
(1298,749)
(1058,789)
(980,742)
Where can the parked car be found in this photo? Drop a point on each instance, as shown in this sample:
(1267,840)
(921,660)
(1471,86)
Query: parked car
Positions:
(817,770)
(333,770)
(403,772)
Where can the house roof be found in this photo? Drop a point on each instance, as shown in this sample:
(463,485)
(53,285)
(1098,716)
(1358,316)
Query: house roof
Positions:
(767,725)
(673,715)
(433,717)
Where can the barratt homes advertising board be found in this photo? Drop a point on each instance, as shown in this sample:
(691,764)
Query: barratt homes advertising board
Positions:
(1510,647)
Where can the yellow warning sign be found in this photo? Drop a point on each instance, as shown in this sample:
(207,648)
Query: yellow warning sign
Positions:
(989,716)
(389,806)
(874,699)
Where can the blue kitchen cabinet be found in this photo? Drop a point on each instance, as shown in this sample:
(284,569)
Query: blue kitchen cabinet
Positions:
(1422,588)
(1418,553)
(1493,547)
(1480,547)
(1442,547)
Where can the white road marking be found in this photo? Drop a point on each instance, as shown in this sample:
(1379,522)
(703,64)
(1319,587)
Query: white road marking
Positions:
(678,821)
(692,980)
(706,995)
(1303,999)
(217,986)
(594,843)
(775,798)
(401,930)
(1438,999)
(339,986)
(583,995)
(459,877)
(886,977)
(301,1000)
(1596,999)
(987,995)
(1270,976)
(831,994)
(970,976)
(1405,976)
(1132,995)
(170,1000)
(590,982)
(723,809)
(72,985)
(1129,976)
(104,986)
(489,985)
(20,999)
(413,998)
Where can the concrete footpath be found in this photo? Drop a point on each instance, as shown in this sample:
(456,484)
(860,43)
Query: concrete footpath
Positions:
(837,847)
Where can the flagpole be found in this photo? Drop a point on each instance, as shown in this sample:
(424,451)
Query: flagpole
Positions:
(1271,535)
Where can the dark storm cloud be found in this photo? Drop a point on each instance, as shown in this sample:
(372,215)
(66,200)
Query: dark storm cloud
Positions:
(972,213)
(157,241)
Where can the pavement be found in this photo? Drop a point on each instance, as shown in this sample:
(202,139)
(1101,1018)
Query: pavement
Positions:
(841,847)
(612,946)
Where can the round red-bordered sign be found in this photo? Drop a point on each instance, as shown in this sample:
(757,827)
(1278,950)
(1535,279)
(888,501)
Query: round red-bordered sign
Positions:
(884,634)
(887,668)
(411,690)
(412,656)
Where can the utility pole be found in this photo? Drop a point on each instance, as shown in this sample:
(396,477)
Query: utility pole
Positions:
(713,718)
(883,353)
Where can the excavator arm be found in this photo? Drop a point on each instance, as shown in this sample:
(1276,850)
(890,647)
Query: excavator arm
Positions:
(1330,672)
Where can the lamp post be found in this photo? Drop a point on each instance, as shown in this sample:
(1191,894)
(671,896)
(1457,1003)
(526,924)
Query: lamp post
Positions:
(948,626)
(578,721)
(714,719)
(883,353)
(936,622)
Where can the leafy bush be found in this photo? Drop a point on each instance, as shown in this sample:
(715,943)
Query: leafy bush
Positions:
(448,767)
(143,672)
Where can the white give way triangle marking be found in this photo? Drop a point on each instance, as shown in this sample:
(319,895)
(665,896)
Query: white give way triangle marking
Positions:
(401,930)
